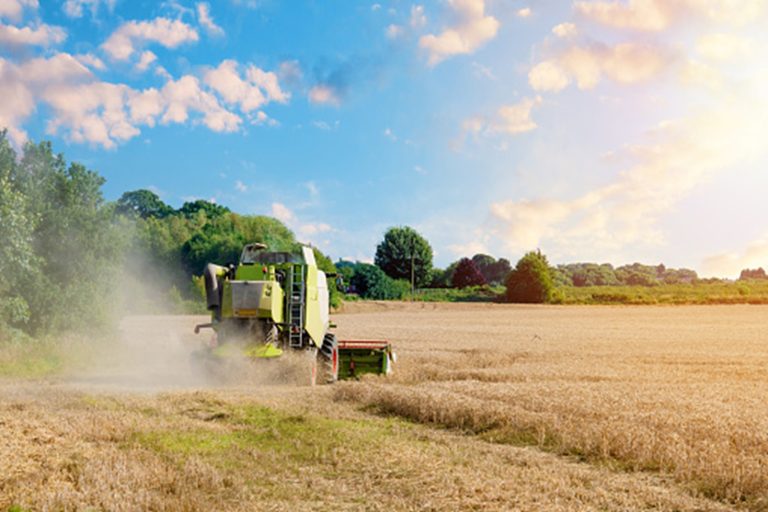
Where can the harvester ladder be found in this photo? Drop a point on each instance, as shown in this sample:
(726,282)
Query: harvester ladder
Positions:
(296,307)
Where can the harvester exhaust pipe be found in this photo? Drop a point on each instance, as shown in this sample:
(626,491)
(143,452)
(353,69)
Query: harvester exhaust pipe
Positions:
(212,291)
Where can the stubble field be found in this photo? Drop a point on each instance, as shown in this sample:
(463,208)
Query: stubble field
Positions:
(491,407)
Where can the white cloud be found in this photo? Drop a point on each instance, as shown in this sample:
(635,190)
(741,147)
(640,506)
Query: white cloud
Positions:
(525,12)
(41,35)
(290,72)
(240,186)
(206,20)
(388,133)
(625,63)
(418,18)
(565,30)
(74,8)
(282,213)
(86,110)
(730,265)
(256,89)
(168,33)
(658,15)
(185,95)
(679,156)
(508,120)
(323,94)
(721,47)
(376,7)
(90,60)
(146,60)
(473,30)
(394,31)
(13,9)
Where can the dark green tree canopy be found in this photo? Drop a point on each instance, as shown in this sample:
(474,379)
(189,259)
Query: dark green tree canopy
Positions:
(143,203)
(402,246)
(531,280)
(467,274)
(493,271)
(192,208)
(370,282)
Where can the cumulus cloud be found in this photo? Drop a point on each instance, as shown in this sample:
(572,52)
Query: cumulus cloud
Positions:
(206,20)
(74,8)
(282,213)
(730,264)
(308,230)
(626,63)
(678,157)
(565,30)
(323,94)
(525,12)
(472,30)
(250,90)
(146,60)
(418,18)
(508,120)
(133,34)
(41,35)
(87,110)
(13,9)
(90,60)
(722,47)
(658,15)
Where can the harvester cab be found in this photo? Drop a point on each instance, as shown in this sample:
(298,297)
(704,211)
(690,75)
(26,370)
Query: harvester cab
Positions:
(271,302)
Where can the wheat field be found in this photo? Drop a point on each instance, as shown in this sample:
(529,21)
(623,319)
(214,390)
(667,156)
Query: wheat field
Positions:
(491,407)
(680,391)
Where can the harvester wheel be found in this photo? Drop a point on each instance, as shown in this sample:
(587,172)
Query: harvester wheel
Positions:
(328,359)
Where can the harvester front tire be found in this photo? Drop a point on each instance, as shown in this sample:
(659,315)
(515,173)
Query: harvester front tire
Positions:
(328,360)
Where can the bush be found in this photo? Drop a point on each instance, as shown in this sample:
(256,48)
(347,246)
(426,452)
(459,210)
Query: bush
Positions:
(370,282)
(531,280)
(467,274)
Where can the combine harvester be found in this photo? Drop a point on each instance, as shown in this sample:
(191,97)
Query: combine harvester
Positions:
(273,302)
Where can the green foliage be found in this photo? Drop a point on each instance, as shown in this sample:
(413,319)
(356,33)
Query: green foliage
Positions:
(325,264)
(531,280)
(703,291)
(401,248)
(636,274)
(493,271)
(747,274)
(193,208)
(60,244)
(370,282)
(467,274)
(142,203)
(485,293)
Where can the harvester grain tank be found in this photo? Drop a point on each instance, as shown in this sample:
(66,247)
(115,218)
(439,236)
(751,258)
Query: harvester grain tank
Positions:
(273,302)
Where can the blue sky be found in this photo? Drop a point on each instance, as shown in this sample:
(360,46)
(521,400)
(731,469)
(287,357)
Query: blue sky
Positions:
(595,130)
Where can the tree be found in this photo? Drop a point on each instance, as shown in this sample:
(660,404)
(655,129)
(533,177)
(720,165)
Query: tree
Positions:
(758,273)
(467,274)
(401,249)
(142,203)
(370,282)
(192,208)
(531,280)
(493,271)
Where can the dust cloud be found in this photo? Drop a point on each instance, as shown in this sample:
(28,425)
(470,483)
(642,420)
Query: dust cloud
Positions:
(154,353)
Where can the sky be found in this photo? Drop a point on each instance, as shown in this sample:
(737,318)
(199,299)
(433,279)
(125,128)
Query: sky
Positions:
(594,130)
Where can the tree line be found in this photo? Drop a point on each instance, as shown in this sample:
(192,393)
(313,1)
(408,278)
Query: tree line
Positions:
(69,258)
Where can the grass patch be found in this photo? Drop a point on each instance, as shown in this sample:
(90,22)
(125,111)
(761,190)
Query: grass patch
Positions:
(703,292)
(295,438)
(30,359)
